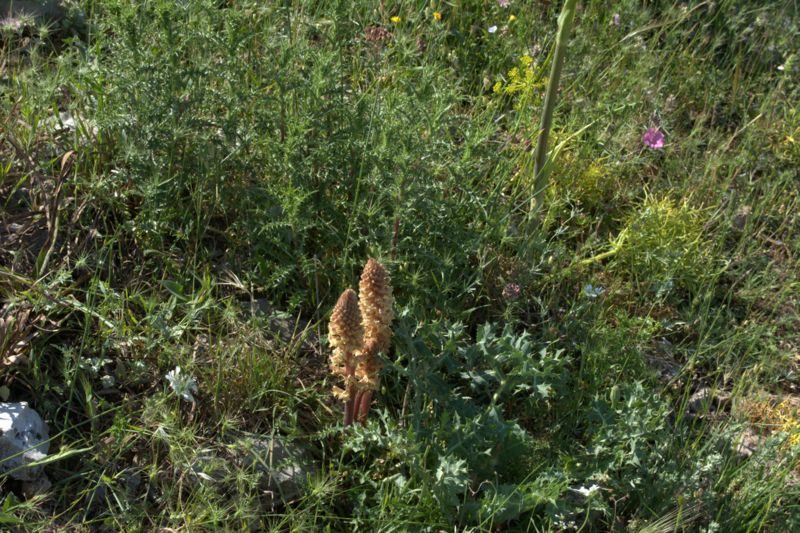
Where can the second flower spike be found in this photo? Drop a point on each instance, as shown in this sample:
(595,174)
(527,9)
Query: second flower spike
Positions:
(345,334)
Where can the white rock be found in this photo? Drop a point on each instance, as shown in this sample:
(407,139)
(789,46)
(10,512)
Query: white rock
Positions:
(748,442)
(37,487)
(284,468)
(24,439)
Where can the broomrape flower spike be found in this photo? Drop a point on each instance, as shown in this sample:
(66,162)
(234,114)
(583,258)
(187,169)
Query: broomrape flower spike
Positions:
(359,328)
(345,334)
(375,301)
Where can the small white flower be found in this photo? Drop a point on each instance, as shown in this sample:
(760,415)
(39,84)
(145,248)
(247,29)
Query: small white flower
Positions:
(183,384)
(592,291)
(587,492)
(492,29)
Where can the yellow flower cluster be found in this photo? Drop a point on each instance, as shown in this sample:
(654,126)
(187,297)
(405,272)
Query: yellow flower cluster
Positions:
(785,416)
(525,78)
(771,415)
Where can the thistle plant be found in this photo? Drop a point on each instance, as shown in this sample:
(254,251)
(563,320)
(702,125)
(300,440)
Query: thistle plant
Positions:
(359,329)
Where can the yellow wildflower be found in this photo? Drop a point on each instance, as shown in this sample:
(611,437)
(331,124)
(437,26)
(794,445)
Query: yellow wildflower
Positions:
(437,15)
(395,19)
(522,78)
(529,76)
(595,170)
(512,18)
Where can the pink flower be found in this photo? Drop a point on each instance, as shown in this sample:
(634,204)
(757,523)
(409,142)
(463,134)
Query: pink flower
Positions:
(653,138)
(503,3)
(511,291)
(615,20)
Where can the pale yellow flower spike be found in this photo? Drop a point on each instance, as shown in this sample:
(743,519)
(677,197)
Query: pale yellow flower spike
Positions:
(375,302)
(345,334)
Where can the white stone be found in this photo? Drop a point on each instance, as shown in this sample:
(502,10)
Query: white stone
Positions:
(24,439)
(284,468)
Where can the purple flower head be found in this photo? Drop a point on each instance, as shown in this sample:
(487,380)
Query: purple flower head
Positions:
(10,24)
(511,291)
(503,3)
(615,20)
(653,138)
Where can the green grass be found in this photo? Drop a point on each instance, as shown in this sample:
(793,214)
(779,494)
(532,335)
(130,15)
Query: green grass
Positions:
(227,157)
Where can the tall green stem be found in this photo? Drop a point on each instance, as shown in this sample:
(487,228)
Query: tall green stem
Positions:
(540,156)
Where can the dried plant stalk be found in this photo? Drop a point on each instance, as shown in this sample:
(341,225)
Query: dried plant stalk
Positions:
(15,335)
(345,334)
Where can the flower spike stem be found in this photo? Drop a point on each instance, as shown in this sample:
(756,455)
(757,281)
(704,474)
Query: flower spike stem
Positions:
(540,173)
(350,403)
(364,400)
